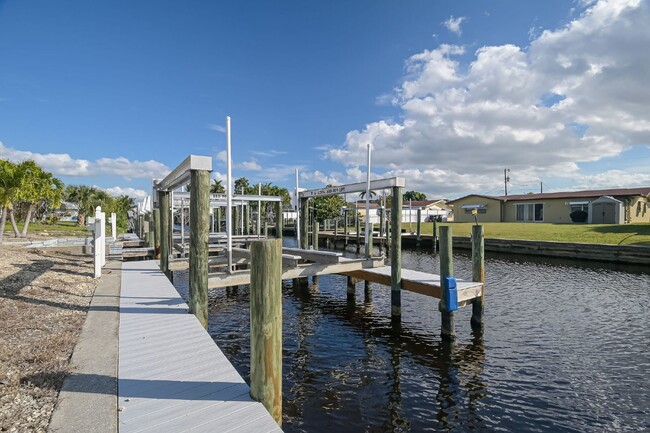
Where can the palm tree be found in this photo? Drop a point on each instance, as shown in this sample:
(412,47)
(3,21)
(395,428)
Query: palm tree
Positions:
(10,183)
(217,187)
(362,194)
(85,197)
(39,187)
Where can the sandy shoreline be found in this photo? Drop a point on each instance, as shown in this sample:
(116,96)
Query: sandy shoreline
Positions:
(44,297)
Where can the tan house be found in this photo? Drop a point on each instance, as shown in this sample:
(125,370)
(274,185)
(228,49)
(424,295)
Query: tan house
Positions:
(605,206)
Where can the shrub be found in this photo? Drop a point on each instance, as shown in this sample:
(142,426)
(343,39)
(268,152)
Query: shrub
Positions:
(579,216)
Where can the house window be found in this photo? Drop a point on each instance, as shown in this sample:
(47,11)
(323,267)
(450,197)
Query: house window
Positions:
(479,210)
(530,212)
(582,207)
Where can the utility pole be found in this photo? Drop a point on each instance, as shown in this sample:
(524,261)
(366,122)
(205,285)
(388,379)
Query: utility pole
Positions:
(506,179)
(541,187)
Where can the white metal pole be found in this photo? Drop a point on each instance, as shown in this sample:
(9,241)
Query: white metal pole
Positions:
(259,210)
(368,204)
(297,221)
(242,212)
(228,196)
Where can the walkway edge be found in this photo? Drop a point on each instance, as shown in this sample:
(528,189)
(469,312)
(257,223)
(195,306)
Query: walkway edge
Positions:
(87,402)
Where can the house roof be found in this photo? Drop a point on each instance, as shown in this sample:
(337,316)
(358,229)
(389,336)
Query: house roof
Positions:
(618,192)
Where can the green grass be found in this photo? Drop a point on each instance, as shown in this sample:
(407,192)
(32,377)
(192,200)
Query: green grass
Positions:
(616,234)
(62,228)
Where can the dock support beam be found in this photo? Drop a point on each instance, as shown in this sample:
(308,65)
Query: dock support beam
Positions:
(358,229)
(478,274)
(304,224)
(157,234)
(352,288)
(418,230)
(165,227)
(266,325)
(448,328)
(316,229)
(151,241)
(279,220)
(199,234)
(396,253)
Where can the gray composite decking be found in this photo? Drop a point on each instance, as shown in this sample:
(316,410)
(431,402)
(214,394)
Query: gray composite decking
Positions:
(172,377)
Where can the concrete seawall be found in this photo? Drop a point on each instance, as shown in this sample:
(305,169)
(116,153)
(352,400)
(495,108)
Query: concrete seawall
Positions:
(600,252)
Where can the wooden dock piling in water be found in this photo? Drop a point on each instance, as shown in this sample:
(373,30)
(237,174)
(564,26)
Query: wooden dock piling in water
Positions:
(448,330)
(266,325)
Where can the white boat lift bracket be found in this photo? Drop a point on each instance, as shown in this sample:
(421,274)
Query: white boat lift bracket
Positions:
(353,187)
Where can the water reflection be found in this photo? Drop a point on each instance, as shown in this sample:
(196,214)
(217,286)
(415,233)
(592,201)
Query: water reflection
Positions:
(563,349)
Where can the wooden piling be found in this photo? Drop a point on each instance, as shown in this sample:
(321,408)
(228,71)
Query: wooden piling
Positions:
(151,241)
(435,235)
(247,220)
(345,226)
(358,228)
(266,325)
(478,274)
(352,287)
(448,330)
(218,229)
(304,223)
(278,220)
(157,234)
(165,231)
(381,229)
(199,234)
(418,228)
(371,239)
(396,253)
(314,279)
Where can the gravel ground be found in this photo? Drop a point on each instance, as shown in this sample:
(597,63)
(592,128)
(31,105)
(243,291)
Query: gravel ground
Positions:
(44,296)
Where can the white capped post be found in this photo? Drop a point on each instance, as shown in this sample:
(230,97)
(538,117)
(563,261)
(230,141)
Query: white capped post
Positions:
(368,234)
(228,195)
(297,223)
(98,244)
(183,223)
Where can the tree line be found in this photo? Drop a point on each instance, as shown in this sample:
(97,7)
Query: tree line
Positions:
(27,192)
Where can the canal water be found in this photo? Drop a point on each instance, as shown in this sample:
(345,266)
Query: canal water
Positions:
(566,348)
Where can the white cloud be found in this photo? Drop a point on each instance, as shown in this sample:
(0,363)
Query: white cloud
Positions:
(249,165)
(453,24)
(62,164)
(222,156)
(320,177)
(217,128)
(117,191)
(461,126)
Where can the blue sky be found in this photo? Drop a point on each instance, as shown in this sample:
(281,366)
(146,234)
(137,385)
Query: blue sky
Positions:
(448,92)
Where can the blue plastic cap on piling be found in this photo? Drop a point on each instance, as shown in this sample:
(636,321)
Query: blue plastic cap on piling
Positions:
(451,293)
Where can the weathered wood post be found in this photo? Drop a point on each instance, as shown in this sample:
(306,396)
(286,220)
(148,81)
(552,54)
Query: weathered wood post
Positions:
(358,228)
(435,234)
(163,196)
(418,228)
(199,235)
(218,220)
(370,236)
(388,230)
(279,220)
(396,253)
(448,329)
(247,219)
(478,274)
(266,325)
(314,279)
(304,223)
(114,226)
(336,231)
(352,288)
(152,236)
(381,229)
(157,233)
(345,225)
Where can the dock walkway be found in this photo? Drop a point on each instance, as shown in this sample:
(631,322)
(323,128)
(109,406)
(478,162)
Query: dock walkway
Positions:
(172,376)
